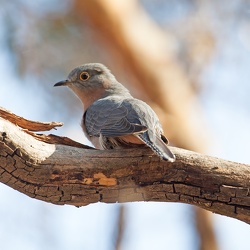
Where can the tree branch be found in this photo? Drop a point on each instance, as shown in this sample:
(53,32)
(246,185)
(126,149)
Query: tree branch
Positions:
(62,174)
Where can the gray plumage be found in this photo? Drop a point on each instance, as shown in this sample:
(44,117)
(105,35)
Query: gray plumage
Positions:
(112,117)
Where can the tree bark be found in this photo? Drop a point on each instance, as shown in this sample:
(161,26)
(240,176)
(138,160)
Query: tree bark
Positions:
(62,174)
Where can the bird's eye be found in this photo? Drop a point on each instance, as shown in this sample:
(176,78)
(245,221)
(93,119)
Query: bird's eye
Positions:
(84,76)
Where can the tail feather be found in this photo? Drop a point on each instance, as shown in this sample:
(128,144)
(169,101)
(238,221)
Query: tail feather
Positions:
(159,147)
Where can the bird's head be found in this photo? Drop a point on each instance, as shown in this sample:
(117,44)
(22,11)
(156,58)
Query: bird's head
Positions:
(89,76)
(92,81)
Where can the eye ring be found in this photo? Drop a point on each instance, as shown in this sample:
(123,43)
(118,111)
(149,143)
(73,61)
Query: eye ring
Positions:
(84,76)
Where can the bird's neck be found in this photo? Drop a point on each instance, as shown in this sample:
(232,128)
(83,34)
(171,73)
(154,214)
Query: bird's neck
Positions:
(88,97)
(117,89)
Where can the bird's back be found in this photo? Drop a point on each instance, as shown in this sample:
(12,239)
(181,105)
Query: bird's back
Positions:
(125,122)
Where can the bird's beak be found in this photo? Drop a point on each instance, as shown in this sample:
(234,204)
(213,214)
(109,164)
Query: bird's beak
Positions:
(62,83)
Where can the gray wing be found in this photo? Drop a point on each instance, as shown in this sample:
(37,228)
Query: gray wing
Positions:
(112,118)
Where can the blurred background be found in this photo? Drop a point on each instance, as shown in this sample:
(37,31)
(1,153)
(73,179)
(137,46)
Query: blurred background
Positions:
(188,59)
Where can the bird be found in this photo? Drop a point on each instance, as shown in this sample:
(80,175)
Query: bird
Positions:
(112,117)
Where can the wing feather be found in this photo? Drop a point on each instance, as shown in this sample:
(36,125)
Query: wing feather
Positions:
(111,118)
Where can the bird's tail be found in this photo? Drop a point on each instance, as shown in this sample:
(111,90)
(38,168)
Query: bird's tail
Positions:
(159,147)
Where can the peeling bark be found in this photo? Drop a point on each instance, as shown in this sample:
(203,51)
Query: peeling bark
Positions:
(62,174)
(27,124)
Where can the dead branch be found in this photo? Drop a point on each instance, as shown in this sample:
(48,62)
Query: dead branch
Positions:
(68,175)
(27,124)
